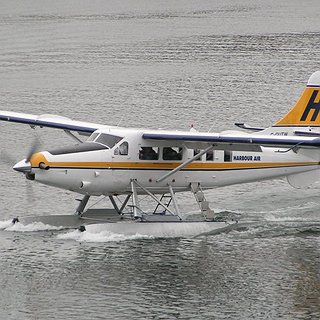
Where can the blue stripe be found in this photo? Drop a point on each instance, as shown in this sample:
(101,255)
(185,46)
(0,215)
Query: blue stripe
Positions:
(313,85)
(47,124)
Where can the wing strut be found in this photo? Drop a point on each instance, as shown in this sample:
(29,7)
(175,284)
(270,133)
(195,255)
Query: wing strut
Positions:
(182,165)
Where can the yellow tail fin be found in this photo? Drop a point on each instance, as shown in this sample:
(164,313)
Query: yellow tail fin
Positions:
(306,111)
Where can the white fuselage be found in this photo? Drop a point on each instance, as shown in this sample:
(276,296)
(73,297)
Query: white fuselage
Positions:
(102,170)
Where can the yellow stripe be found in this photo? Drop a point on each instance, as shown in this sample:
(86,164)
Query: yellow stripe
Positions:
(172,165)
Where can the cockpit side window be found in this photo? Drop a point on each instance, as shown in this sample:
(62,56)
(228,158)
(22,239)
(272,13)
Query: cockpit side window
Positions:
(149,153)
(108,140)
(123,149)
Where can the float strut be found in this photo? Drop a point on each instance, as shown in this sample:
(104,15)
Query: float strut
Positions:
(174,200)
(135,201)
(82,205)
(154,197)
(119,210)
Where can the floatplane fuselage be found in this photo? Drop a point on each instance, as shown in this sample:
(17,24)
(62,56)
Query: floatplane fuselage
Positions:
(125,161)
(111,158)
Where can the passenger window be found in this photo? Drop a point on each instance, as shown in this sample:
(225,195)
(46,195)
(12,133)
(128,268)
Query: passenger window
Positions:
(149,153)
(122,150)
(195,152)
(210,156)
(227,156)
(172,153)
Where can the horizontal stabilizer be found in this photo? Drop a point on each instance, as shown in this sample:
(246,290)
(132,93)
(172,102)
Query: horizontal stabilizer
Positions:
(247,127)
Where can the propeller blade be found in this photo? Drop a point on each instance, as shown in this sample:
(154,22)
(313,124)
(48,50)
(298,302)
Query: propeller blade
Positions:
(36,144)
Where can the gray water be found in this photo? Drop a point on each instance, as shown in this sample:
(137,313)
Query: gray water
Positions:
(158,64)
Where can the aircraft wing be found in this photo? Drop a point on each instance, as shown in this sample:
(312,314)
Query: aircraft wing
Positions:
(235,141)
(51,121)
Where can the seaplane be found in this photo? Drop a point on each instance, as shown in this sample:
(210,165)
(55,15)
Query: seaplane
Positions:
(124,164)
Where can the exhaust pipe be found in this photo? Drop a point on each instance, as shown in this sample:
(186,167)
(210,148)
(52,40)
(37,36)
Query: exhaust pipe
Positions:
(43,166)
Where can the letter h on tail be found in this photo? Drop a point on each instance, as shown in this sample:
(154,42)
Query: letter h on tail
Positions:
(312,105)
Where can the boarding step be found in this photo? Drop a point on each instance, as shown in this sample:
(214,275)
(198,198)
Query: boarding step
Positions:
(201,200)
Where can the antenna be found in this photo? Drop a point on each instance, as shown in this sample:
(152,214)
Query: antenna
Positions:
(120,120)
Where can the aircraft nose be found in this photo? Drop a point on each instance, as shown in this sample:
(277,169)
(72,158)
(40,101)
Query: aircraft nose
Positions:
(23,166)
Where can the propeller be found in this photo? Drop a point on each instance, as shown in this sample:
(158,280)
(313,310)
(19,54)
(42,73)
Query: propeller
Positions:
(10,161)
(25,165)
(35,146)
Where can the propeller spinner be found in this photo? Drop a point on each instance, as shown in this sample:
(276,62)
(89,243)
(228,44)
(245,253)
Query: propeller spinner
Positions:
(24,165)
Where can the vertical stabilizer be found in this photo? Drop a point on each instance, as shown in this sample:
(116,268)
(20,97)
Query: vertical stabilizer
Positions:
(306,111)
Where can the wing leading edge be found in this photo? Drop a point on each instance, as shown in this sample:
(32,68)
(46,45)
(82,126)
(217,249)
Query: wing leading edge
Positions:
(51,121)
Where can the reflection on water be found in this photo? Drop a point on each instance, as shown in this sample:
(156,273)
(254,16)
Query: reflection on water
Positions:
(164,64)
(307,288)
(237,275)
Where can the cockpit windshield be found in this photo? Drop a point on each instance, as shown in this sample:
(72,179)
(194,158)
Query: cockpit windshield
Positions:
(107,140)
(92,137)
